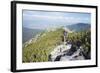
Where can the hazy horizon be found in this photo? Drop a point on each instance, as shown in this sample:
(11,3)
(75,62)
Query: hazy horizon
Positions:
(47,19)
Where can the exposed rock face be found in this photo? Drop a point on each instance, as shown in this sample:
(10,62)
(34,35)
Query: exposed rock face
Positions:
(67,53)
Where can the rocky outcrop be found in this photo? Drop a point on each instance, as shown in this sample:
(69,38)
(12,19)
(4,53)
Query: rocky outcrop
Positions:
(67,53)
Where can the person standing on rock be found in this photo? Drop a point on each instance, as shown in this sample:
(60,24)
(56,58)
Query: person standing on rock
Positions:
(65,34)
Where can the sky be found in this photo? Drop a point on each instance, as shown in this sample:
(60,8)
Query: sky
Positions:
(48,19)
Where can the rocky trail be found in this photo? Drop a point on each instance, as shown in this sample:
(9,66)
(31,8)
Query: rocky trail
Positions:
(66,52)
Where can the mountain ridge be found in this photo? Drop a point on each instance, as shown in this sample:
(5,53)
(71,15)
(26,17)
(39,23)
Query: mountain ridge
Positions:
(79,27)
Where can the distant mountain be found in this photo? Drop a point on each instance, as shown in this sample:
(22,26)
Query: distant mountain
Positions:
(31,33)
(28,33)
(79,27)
